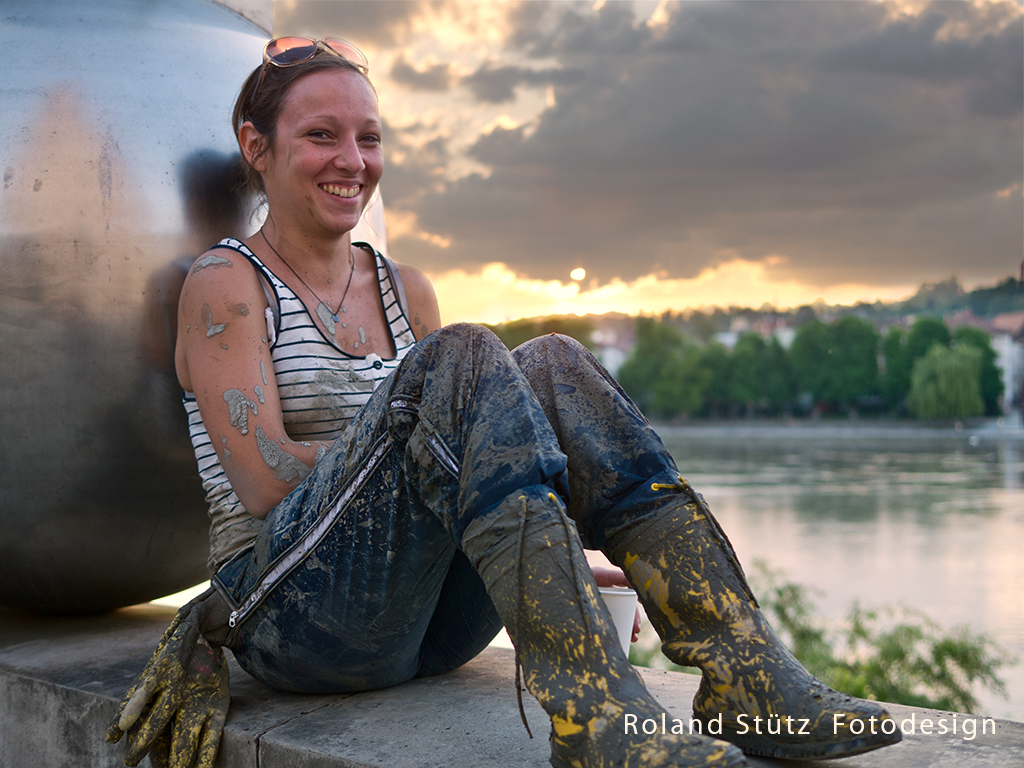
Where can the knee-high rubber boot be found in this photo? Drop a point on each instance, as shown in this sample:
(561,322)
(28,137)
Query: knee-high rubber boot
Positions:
(529,556)
(696,596)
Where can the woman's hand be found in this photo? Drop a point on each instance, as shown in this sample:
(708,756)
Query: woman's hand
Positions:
(614,577)
(176,710)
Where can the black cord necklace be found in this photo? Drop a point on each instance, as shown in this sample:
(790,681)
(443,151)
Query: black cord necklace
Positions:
(328,316)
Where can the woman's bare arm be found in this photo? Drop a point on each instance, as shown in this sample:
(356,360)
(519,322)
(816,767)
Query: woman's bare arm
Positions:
(223,356)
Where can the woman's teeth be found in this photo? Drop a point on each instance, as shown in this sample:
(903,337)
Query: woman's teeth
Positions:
(340,191)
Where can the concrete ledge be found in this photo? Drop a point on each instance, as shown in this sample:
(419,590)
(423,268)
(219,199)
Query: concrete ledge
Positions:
(61,680)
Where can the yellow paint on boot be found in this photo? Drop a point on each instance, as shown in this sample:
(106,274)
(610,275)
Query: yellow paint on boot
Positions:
(651,584)
(564,725)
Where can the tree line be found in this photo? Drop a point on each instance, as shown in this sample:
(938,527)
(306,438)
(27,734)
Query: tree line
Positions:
(845,366)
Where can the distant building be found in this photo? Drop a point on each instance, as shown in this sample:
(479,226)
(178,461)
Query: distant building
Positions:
(727,339)
(1006,332)
(785,334)
(768,326)
(1008,343)
(612,339)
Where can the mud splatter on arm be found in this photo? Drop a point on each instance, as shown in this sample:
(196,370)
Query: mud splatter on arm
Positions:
(212,328)
(421,329)
(230,370)
(238,409)
(209,260)
(286,467)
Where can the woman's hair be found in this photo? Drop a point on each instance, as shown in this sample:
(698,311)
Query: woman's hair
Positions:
(264,110)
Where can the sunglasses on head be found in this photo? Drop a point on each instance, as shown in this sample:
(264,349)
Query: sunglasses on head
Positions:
(288,51)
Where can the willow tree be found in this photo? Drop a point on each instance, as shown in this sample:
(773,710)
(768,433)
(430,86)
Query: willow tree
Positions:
(945,383)
(990,380)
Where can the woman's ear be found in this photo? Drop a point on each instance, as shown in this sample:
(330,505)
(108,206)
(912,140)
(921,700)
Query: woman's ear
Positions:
(251,142)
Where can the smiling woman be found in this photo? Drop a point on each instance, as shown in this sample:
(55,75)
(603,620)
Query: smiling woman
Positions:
(386,493)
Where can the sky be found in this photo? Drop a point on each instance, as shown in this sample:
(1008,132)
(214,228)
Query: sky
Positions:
(691,154)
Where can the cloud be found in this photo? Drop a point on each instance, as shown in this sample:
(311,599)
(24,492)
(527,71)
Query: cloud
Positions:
(569,29)
(433,77)
(920,49)
(495,84)
(414,160)
(760,127)
(377,23)
(865,142)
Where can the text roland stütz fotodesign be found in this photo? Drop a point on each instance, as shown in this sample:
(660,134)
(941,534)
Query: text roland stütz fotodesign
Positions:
(955,725)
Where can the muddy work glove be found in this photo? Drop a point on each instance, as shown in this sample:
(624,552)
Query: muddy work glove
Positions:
(176,710)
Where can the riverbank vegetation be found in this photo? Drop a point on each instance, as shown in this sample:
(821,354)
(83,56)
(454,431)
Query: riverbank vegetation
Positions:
(894,655)
(880,359)
(841,367)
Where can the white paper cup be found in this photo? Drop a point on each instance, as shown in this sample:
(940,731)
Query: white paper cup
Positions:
(621,603)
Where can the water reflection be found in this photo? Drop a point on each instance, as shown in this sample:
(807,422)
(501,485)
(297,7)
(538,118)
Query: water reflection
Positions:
(932,524)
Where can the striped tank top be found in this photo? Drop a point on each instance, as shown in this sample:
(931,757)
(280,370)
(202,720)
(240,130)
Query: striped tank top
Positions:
(321,388)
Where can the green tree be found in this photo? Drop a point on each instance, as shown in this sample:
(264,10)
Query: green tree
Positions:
(836,363)
(804,314)
(715,359)
(898,364)
(925,333)
(938,298)
(681,384)
(746,385)
(1006,296)
(945,384)
(855,359)
(657,346)
(702,326)
(761,378)
(779,380)
(514,333)
(902,350)
(990,381)
(811,354)
(897,656)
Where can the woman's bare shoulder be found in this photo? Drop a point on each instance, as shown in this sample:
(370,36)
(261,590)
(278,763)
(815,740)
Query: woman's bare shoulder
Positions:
(414,279)
(221,298)
(225,276)
(424,314)
(220,264)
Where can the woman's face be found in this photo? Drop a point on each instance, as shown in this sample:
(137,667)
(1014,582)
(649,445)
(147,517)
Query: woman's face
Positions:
(326,159)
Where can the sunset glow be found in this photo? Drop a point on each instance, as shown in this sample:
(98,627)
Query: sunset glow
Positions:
(495,294)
